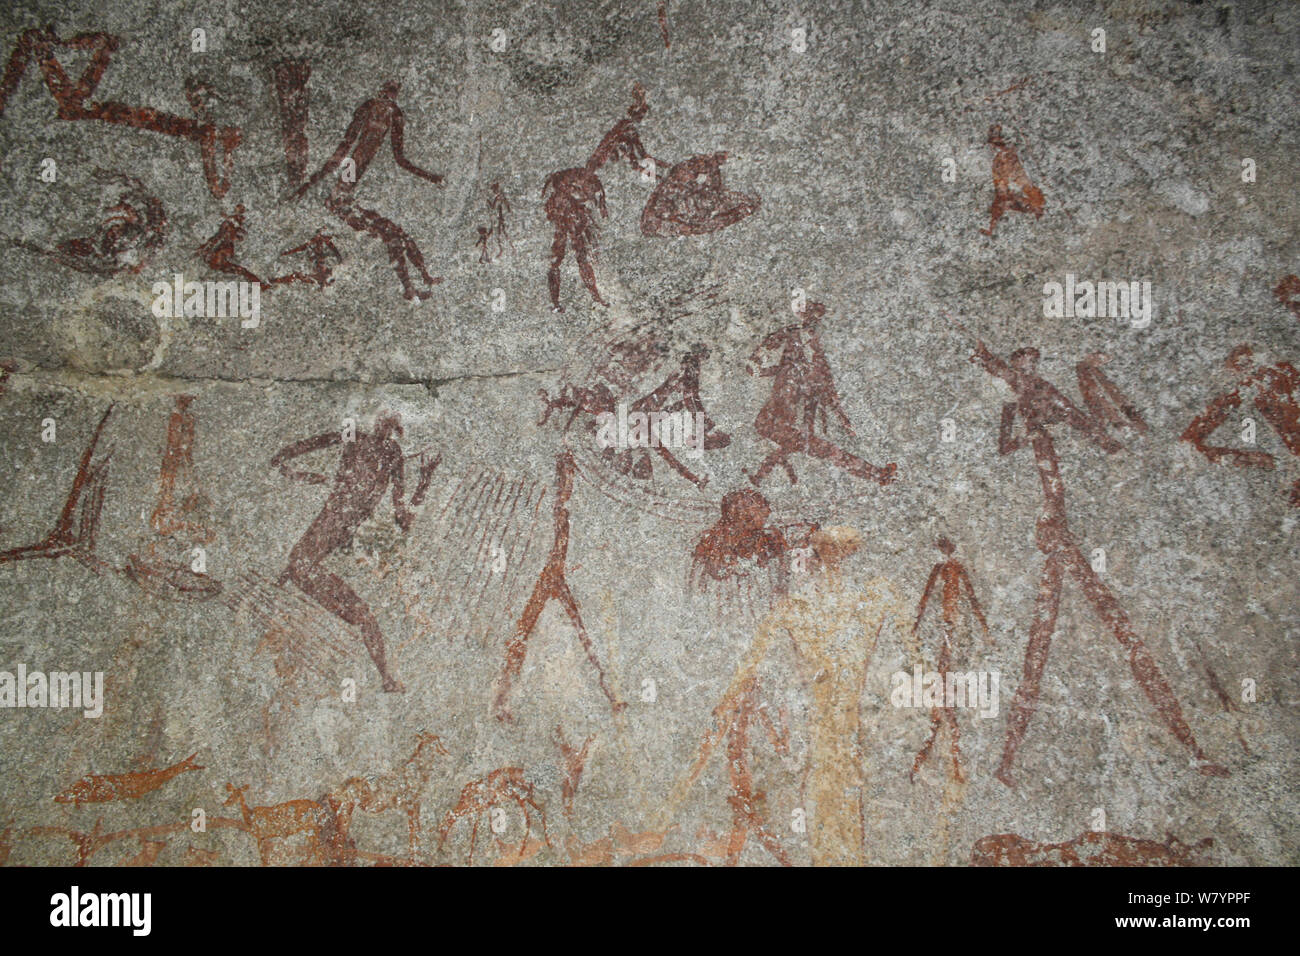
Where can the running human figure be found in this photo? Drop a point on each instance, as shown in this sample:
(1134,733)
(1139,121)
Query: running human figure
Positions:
(375,120)
(1012,190)
(1040,405)
(371,463)
(1276,389)
(803,391)
(679,394)
(954,577)
(551,585)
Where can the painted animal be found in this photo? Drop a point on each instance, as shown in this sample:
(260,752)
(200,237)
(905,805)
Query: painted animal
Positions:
(101,788)
(282,820)
(400,789)
(1094,848)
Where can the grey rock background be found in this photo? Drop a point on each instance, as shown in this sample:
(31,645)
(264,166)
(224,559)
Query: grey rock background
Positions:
(1138,152)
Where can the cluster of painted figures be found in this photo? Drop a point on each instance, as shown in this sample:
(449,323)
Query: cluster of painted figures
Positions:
(794,567)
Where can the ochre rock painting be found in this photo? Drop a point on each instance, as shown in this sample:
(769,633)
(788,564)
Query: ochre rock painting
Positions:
(1094,848)
(730,544)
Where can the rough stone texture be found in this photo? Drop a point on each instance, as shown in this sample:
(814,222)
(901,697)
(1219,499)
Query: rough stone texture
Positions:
(1138,152)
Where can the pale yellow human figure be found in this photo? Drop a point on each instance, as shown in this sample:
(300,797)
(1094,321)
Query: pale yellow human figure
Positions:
(834,628)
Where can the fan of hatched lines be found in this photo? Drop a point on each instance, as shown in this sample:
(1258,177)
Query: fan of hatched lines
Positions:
(305,636)
(468,567)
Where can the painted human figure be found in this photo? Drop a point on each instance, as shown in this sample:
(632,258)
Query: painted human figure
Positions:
(40,45)
(803,391)
(623,141)
(182,507)
(289,76)
(1039,405)
(734,719)
(551,585)
(684,385)
(375,120)
(499,206)
(371,464)
(834,626)
(593,400)
(679,393)
(218,251)
(953,577)
(180,521)
(1012,190)
(1276,391)
(572,197)
(321,250)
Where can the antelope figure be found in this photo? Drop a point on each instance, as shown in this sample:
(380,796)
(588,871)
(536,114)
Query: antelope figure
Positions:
(279,821)
(400,789)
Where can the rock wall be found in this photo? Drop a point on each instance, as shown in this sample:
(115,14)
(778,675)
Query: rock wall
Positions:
(532,433)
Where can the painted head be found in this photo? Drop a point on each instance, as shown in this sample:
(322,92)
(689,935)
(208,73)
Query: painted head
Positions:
(697,354)
(812,314)
(832,545)
(1024,361)
(388,424)
(745,509)
(1240,359)
(639,108)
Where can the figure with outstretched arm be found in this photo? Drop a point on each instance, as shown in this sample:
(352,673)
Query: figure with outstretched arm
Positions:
(42,45)
(1039,405)
(375,120)
(371,464)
